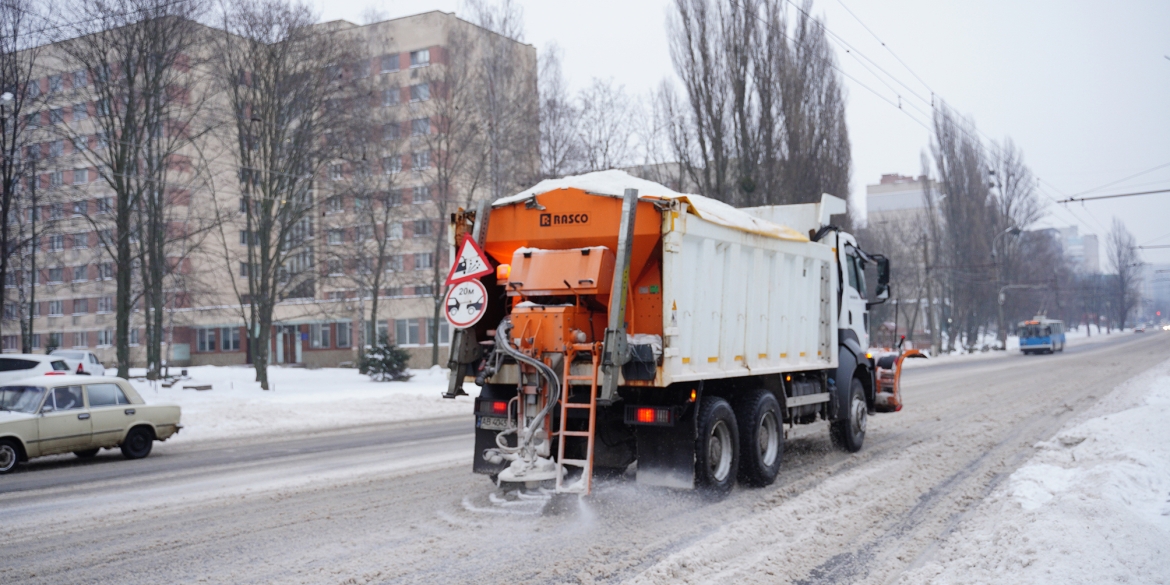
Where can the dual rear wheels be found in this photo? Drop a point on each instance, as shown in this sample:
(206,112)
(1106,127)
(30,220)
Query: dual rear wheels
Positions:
(744,443)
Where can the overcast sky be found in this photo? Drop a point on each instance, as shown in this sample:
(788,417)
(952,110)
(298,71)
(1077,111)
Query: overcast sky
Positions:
(1083,88)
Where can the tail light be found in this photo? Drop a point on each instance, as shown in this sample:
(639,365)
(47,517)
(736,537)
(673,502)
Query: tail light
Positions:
(54,373)
(650,415)
(494,407)
(79,370)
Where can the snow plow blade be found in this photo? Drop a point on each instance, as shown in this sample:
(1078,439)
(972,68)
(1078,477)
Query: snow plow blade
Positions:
(888,372)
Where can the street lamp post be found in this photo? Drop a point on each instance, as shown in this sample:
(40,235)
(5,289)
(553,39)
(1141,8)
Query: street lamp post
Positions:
(1015,231)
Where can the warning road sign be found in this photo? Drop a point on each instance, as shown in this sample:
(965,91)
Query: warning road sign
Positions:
(465,303)
(469,263)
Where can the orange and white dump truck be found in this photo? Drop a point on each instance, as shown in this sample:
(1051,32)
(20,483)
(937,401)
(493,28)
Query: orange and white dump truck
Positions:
(628,323)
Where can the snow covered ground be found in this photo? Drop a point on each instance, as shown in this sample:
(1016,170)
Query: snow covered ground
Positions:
(1073,338)
(301,400)
(1092,506)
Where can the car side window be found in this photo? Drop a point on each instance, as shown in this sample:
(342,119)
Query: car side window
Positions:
(59,366)
(105,395)
(93,359)
(68,398)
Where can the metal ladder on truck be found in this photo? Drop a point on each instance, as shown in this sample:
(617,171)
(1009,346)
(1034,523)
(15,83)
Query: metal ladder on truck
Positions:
(585,484)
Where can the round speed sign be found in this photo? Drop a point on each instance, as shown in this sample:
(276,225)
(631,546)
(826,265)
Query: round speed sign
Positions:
(465,303)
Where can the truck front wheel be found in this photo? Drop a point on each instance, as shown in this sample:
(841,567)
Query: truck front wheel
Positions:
(849,433)
(761,438)
(716,448)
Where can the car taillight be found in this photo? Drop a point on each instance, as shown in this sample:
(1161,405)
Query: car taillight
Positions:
(79,370)
(54,373)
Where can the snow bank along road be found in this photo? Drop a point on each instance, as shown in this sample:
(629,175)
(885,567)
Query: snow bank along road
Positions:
(397,503)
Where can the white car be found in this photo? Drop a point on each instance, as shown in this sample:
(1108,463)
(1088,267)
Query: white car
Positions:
(81,361)
(47,415)
(14,366)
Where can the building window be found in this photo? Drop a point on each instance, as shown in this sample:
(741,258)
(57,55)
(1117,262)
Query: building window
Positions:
(56,275)
(54,83)
(230,338)
(80,339)
(336,172)
(424,260)
(80,306)
(11,342)
(55,339)
(34,88)
(80,176)
(406,332)
(422,228)
(389,63)
(81,273)
(344,335)
(394,232)
(205,340)
(319,336)
(336,237)
(391,165)
(105,305)
(105,205)
(390,132)
(134,336)
(80,79)
(420,160)
(80,112)
(420,126)
(444,330)
(106,271)
(105,337)
(363,233)
(394,263)
(420,92)
(334,267)
(421,194)
(80,207)
(56,149)
(56,115)
(56,211)
(391,96)
(56,308)
(420,58)
(333,205)
(244,269)
(56,242)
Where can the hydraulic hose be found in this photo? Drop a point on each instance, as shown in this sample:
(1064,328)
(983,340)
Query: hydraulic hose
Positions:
(546,374)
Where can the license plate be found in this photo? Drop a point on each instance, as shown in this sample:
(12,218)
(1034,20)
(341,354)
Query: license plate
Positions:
(492,423)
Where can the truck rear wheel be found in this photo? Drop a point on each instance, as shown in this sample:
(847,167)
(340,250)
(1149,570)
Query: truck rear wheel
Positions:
(849,433)
(716,448)
(761,438)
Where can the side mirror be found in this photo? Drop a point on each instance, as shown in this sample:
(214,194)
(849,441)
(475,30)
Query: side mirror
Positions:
(882,292)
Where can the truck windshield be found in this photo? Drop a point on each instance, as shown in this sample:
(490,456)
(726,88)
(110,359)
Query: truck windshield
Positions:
(21,398)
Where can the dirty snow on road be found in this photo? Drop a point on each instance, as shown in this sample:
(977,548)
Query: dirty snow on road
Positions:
(1092,506)
(302,400)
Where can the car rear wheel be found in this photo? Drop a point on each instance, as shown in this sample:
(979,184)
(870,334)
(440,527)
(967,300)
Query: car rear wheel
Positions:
(138,443)
(761,438)
(9,456)
(86,454)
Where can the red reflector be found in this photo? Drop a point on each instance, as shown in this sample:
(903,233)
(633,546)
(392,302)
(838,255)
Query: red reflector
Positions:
(499,407)
(646,415)
(54,373)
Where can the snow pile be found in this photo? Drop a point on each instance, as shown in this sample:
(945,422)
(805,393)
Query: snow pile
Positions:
(613,183)
(1092,506)
(300,401)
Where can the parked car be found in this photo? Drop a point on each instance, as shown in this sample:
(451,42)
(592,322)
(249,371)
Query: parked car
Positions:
(81,361)
(80,414)
(14,366)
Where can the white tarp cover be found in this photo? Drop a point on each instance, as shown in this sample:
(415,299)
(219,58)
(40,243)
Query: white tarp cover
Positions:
(613,183)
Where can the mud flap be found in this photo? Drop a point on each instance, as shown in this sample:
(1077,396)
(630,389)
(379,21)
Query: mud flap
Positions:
(666,455)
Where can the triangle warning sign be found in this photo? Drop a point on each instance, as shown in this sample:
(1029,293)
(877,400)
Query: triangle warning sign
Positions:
(469,263)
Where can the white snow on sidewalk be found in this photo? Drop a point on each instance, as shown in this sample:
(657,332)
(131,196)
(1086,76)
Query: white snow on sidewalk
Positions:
(1092,506)
(301,400)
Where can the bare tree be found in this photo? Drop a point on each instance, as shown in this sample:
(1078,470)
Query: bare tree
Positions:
(560,151)
(1127,263)
(135,54)
(605,126)
(283,81)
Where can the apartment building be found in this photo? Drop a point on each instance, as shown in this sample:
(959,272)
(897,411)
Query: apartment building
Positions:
(70,293)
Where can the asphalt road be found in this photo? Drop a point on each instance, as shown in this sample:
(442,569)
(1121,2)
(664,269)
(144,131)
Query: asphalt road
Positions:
(397,503)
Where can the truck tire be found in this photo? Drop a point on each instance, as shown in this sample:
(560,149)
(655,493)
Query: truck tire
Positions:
(716,448)
(761,438)
(849,432)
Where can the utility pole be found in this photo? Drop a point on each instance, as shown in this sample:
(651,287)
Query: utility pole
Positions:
(33,248)
(931,321)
